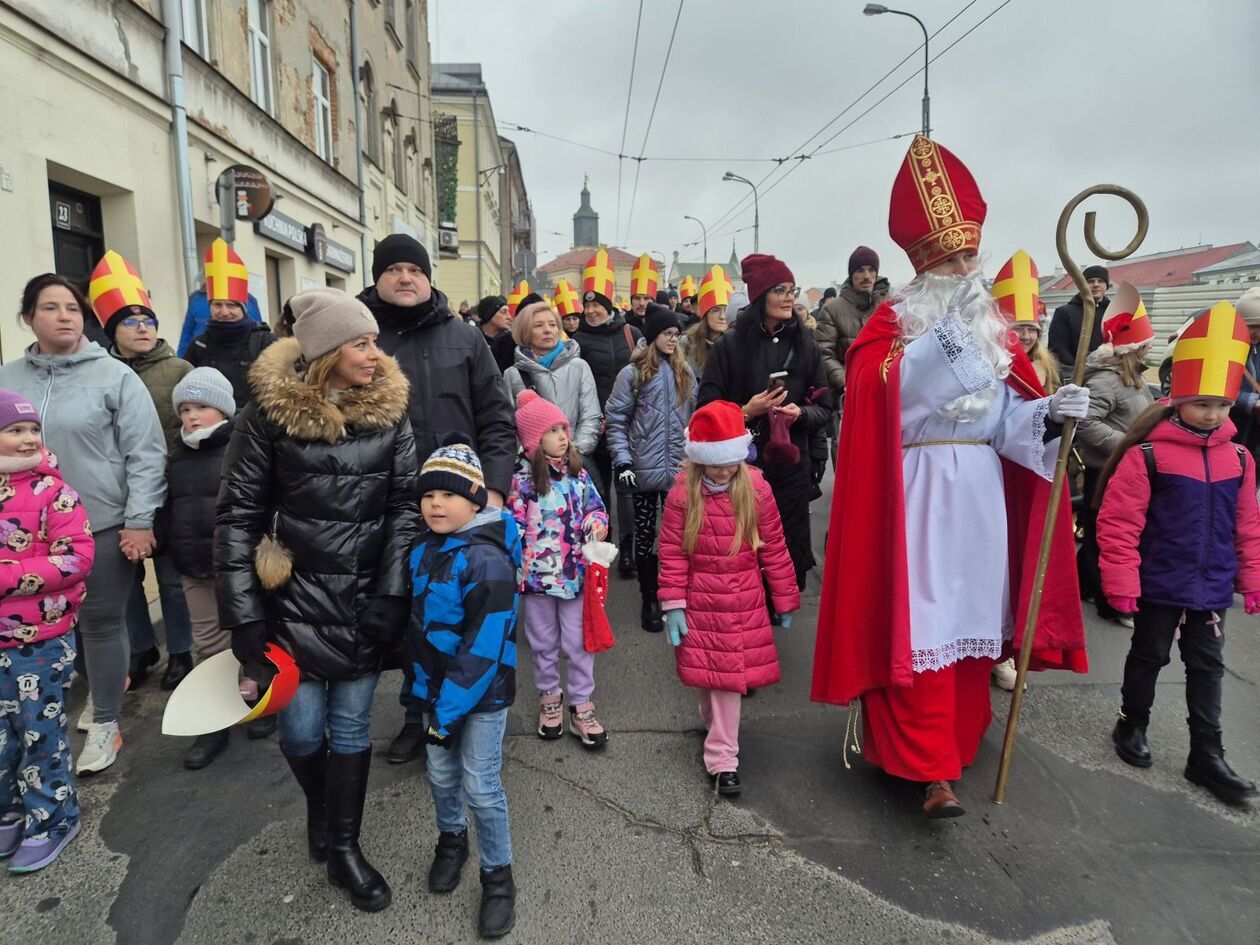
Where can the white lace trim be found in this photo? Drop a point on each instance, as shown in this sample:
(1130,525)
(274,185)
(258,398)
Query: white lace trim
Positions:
(952,651)
(963,354)
(1040,448)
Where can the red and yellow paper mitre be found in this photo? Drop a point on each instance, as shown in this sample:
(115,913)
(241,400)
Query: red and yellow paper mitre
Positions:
(568,302)
(1127,325)
(115,286)
(1210,355)
(715,290)
(227,279)
(687,288)
(519,291)
(1015,290)
(936,208)
(644,278)
(598,277)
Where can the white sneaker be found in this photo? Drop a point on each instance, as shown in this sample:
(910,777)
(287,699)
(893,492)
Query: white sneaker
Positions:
(85,717)
(1126,621)
(1005,674)
(104,741)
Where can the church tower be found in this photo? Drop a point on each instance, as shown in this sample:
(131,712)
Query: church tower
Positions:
(585,222)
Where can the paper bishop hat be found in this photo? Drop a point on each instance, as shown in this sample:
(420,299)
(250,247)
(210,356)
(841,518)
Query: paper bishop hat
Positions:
(568,302)
(599,279)
(1127,327)
(715,290)
(227,279)
(936,209)
(115,287)
(209,698)
(519,291)
(1210,355)
(687,288)
(1015,290)
(644,278)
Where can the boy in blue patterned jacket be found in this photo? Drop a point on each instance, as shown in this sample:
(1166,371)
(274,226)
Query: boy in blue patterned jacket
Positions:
(462,646)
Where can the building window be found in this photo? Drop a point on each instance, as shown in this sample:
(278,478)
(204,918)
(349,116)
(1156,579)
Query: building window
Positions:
(390,22)
(398,150)
(409,30)
(321,88)
(371,115)
(259,20)
(194,28)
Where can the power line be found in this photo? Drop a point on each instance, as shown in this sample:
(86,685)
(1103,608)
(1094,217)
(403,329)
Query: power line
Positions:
(625,122)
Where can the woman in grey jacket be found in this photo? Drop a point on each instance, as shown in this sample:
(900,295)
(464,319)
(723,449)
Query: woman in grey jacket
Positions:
(100,422)
(555,370)
(648,410)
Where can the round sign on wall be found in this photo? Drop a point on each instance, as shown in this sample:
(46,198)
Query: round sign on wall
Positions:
(250,191)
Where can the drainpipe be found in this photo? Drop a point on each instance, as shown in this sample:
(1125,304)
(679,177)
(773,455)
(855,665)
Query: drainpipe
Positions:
(360,169)
(173,18)
(477,181)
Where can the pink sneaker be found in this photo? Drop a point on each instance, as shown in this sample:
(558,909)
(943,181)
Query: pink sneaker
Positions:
(585,726)
(551,715)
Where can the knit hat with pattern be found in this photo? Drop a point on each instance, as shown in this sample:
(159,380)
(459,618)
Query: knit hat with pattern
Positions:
(534,417)
(455,468)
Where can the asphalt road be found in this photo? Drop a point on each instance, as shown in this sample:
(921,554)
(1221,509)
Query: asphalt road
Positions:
(631,846)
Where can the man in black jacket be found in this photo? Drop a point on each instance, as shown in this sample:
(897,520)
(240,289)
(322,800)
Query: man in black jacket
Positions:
(1065,327)
(455,388)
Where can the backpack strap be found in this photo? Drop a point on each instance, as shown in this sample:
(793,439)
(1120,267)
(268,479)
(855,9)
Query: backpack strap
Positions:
(1148,454)
(625,327)
(1242,460)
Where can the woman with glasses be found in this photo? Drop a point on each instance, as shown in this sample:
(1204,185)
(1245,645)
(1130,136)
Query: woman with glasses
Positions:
(770,365)
(101,424)
(648,411)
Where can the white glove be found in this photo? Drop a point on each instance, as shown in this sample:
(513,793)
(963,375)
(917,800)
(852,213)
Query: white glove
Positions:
(627,479)
(1069,401)
(963,296)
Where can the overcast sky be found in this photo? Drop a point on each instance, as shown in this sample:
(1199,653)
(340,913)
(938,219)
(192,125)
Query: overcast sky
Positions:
(1042,100)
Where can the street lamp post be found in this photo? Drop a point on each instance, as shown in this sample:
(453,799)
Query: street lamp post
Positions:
(756,208)
(874,9)
(704,231)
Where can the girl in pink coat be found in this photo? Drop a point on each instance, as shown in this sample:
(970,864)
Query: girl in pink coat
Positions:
(46,552)
(721,544)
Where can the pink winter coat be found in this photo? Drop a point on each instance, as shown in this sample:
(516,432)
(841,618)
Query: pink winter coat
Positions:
(46,552)
(729,644)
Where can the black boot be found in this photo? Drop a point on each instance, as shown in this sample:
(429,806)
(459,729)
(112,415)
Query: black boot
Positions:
(311,772)
(650,616)
(498,902)
(138,669)
(449,857)
(261,727)
(205,749)
(347,867)
(1207,768)
(1130,741)
(407,744)
(178,665)
(649,584)
(625,558)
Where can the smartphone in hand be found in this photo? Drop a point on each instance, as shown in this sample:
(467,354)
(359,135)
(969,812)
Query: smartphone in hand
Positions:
(778,381)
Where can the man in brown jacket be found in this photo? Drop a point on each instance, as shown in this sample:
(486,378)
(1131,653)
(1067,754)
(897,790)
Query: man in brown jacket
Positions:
(841,318)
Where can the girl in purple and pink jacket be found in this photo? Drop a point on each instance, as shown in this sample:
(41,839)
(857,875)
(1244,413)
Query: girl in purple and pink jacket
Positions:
(46,552)
(1179,534)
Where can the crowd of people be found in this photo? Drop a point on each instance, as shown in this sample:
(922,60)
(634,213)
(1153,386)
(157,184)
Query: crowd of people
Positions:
(384,483)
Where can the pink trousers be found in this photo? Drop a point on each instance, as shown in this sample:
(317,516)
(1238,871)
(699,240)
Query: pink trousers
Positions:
(719,710)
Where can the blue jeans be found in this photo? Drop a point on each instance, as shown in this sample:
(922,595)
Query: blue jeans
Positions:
(176,623)
(339,712)
(470,774)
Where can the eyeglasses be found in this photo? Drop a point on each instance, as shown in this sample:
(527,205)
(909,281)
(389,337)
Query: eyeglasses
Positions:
(671,334)
(788,290)
(133,323)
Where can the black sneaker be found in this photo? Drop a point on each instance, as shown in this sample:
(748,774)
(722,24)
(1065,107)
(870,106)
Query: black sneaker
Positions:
(205,749)
(498,902)
(727,783)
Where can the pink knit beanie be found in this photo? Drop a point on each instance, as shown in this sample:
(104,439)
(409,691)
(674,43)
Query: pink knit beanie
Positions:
(534,417)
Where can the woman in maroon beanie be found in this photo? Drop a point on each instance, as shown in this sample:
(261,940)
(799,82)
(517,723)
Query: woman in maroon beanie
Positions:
(771,365)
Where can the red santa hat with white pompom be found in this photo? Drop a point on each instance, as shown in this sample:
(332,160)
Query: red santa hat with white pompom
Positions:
(716,435)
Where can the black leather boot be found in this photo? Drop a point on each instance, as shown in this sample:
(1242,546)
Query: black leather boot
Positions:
(1207,768)
(449,857)
(178,665)
(347,867)
(1130,741)
(138,669)
(498,902)
(650,616)
(311,772)
(407,744)
(625,558)
(649,584)
(205,749)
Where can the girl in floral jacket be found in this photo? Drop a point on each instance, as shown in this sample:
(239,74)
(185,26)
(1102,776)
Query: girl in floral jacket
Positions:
(557,509)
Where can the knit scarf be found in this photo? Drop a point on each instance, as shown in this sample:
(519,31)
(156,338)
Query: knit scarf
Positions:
(230,334)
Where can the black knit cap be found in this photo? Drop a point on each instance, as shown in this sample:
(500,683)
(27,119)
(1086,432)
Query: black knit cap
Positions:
(488,307)
(599,299)
(1097,272)
(400,248)
(656,319)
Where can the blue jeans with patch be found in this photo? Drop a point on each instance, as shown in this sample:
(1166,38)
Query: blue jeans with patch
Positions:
(338,712)
(36,777)
(470,774)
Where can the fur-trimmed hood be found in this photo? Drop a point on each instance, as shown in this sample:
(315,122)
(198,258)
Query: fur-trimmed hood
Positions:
(306,413)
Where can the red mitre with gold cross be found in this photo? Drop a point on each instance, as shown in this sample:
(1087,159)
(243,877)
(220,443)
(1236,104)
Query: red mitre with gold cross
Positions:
(937,209)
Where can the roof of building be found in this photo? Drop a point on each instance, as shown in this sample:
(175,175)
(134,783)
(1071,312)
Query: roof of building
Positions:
(1245,259)
(456,77)
(577,258)
(1176,267)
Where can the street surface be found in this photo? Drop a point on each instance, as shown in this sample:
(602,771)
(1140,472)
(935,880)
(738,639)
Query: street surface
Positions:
(631,846)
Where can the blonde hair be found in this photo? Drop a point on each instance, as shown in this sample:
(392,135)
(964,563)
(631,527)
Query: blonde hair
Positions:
(523,323)
(318,371)
(1130,365)
(1049,364)
(647,361)
(743,504)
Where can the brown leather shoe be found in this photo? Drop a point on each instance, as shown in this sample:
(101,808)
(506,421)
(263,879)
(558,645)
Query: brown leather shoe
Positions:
(940,801)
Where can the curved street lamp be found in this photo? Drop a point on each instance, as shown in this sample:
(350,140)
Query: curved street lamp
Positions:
(730,175)
(875,9)
(705,231)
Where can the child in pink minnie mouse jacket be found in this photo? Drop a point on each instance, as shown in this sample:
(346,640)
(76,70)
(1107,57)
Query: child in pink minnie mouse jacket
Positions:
(46,553)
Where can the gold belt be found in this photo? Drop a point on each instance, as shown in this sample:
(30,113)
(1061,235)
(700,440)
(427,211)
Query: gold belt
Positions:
(911,446)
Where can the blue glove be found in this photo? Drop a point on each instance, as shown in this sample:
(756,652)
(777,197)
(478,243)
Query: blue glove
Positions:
(676,624)
(785,620)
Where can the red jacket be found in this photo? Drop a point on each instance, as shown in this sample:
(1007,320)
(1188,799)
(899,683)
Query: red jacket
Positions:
(729,644)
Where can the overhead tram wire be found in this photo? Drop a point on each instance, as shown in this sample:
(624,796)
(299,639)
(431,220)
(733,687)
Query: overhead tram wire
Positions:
(625,122)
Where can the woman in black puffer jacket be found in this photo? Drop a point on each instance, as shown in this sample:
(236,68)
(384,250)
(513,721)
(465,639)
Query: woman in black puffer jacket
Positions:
(322,472)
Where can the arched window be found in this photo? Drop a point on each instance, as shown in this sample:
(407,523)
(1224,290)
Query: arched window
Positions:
(371,114)
(398,164)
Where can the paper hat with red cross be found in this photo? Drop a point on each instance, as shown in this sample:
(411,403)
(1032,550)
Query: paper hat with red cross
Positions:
(715,290)
(1015,290)
(209,698)
(227,279)
(599,280)
(1127,327)
(687,288)
(644,278)
(937,209)
(519,291)
(568,302)
(1210,356)
(115,288)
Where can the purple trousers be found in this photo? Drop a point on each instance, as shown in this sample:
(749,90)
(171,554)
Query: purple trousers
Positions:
(553,625)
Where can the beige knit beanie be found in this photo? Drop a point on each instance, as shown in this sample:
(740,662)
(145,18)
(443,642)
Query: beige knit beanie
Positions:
(325,319)
(1249,307)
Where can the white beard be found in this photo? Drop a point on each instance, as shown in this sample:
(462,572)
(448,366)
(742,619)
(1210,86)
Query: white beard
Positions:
(922,302)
